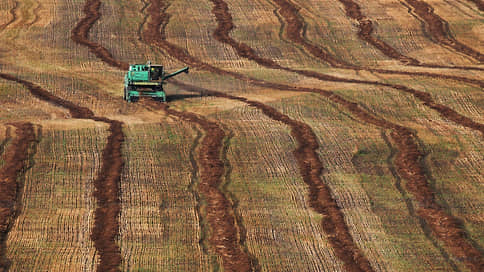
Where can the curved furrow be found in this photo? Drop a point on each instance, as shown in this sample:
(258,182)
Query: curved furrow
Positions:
(13,14)
(309,163)
(366,29)
(80,34)
(106,216)
(438,28)
(408,161)
(16,163)
(225,25)
(294,31)
(365,25)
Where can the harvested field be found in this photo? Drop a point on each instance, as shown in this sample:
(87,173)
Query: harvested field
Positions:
(333,135)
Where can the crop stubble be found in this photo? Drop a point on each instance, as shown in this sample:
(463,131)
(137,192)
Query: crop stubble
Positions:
(219,214)
(160,221)
(106,226)
(292,88)
(408,160)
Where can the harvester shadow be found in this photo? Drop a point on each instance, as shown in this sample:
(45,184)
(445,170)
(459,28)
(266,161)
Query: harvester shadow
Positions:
(176,97)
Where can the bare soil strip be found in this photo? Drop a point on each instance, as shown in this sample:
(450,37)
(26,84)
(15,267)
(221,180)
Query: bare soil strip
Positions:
(439,29)
(106,225)
(225,25)
(16,158)
(408,161)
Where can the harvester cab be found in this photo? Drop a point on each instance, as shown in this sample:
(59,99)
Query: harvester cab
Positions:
(146,80)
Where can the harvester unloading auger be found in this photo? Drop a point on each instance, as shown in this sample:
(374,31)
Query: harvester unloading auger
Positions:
(146,80)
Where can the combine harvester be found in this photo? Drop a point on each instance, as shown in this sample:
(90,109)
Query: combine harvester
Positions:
(146,80)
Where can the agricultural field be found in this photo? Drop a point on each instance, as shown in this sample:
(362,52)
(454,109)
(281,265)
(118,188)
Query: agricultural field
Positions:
(309,135)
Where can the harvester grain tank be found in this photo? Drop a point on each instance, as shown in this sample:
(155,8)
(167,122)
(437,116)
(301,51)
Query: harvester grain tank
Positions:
(146,80)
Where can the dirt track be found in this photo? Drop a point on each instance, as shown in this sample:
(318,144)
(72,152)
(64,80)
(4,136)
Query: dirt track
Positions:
(16,158)
(408,160)
(438,28)
(106,225)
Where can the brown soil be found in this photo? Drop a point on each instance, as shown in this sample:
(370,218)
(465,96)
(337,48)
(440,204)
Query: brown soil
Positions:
(106,225)
(16,158)
(439,29)
(408,160)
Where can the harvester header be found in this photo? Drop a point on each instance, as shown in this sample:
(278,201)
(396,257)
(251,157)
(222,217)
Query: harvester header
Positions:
(146,80)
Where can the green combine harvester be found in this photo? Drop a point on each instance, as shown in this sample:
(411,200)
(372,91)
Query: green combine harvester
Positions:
(146,80)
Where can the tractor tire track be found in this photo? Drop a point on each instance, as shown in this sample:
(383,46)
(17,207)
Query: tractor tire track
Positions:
(106,216)
(225,25)
(16,163)
(408,161)
(438,28)
(219,211)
